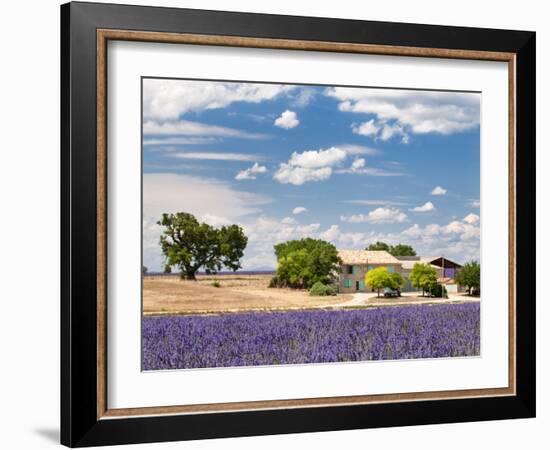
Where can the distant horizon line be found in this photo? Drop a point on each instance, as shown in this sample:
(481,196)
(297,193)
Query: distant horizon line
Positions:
(222,272)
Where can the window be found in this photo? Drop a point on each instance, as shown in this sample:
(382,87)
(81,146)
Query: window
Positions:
(347,283)
(355,270)
(390,269)
(349,269)
(369,268)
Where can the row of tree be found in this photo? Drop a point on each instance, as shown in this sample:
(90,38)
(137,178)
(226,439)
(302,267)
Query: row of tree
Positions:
(395,250)
(189,245)
(423,276)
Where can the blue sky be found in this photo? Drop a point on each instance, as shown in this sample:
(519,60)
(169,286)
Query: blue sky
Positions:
(349,165)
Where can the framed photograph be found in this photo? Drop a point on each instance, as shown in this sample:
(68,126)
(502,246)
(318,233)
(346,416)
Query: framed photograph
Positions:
(276,224)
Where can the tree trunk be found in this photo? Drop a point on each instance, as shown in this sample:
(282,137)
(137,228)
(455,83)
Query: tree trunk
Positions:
(378,292)
(188,274)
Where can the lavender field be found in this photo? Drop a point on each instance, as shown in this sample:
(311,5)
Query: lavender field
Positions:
(183,342)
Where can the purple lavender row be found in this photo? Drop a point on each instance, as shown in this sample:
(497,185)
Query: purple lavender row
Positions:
(249,339)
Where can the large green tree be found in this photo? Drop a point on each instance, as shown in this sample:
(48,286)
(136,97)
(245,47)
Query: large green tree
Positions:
(395,250)
(301,263)
(189,245)
(423,276)
(398,281)
(469,276)
(379,245)
(379,278)
(402,250)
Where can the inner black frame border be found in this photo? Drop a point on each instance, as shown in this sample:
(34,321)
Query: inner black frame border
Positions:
(79,423)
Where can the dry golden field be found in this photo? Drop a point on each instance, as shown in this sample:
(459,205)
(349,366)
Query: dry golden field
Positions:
(170,295)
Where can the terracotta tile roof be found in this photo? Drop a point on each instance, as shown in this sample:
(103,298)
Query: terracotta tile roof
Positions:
(367,257)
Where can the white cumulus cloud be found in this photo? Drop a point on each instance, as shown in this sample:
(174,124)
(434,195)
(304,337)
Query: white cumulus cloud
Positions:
(331,234)
(471,218)
(456,240)
(214,220)
(251,172)
(378,215)
(299,210)
(369,128)
(380,129)
(288,221)
(391,130)
(288,174)
(169,99)
(287,120)
(357,164)
(426,207)
(403,111)
(303,97)
(313,159)
(438,190)
(310,165)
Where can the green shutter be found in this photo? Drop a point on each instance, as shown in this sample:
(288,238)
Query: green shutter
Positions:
(347,283)
(355,270)
(390,269)
(362,285)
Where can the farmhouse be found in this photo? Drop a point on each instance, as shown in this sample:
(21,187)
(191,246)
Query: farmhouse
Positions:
(356,264)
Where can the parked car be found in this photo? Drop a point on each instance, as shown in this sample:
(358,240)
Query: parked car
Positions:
(389,292)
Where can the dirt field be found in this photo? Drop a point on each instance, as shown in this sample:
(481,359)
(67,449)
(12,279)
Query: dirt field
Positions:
(170,295)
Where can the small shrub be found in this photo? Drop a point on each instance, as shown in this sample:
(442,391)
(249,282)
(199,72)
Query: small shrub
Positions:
(216,283)
(332,289)
(274,282)
(438,290)
(320,289)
